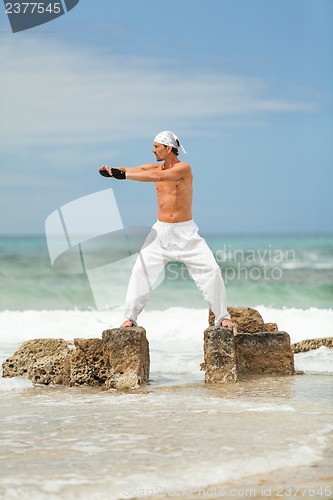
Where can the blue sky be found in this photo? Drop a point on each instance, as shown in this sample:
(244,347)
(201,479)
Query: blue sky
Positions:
(246,84)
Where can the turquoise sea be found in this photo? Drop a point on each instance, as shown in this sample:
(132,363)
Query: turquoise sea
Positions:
(276,271)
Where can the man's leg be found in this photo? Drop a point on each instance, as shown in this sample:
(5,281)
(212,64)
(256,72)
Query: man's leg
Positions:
(206,273)
(148,267)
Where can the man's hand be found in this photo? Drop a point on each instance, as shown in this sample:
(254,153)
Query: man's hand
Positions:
(117,173)
(105,171)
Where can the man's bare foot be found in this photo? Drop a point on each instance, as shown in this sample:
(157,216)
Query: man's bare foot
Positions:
(127,324)
(227,323)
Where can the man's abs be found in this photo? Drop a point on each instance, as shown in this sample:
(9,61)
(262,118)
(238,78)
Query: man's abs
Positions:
(174,201)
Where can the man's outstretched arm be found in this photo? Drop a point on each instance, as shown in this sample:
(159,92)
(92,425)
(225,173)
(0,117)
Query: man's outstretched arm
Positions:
(140,168)
(156,175)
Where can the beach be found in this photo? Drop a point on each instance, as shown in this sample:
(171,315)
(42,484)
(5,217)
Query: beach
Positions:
(176,437)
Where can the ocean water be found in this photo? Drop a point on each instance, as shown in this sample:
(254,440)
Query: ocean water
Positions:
(176,435)
(273,271)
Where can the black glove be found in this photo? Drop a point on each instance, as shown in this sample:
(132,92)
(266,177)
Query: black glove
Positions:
(105,173)
(118,174)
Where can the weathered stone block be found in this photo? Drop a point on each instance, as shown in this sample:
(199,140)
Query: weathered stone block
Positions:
(228,356)
(40,360)
(264,353)
(248,320)
(88,364)
(219,355)
(310,344)
(128,351)
(119,360)
(270,327)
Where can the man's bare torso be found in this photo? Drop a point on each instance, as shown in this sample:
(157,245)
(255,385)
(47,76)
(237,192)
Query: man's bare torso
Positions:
(174,198)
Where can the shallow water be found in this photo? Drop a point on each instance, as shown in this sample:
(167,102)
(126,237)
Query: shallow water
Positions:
(87,444)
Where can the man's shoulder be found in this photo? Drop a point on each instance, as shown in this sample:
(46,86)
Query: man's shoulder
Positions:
(183,164)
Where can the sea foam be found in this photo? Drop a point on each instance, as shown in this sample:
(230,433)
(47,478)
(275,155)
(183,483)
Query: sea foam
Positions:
(15,384)
(316,361)
(175,335)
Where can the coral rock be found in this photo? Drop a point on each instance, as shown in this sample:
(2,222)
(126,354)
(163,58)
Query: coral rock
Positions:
(40,360)
(309,345)
(248,320)
(119,360)
(219,353)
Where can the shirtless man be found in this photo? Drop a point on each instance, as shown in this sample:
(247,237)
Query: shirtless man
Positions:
(174,236)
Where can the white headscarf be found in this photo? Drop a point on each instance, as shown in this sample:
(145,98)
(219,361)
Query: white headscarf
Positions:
(169,139)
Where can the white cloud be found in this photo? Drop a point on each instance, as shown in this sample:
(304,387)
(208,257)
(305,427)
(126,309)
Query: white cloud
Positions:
(58,94)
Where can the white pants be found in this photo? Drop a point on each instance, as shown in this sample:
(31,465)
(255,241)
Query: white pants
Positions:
(178,241)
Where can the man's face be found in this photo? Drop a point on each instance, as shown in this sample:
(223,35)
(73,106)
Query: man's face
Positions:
(160,151)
